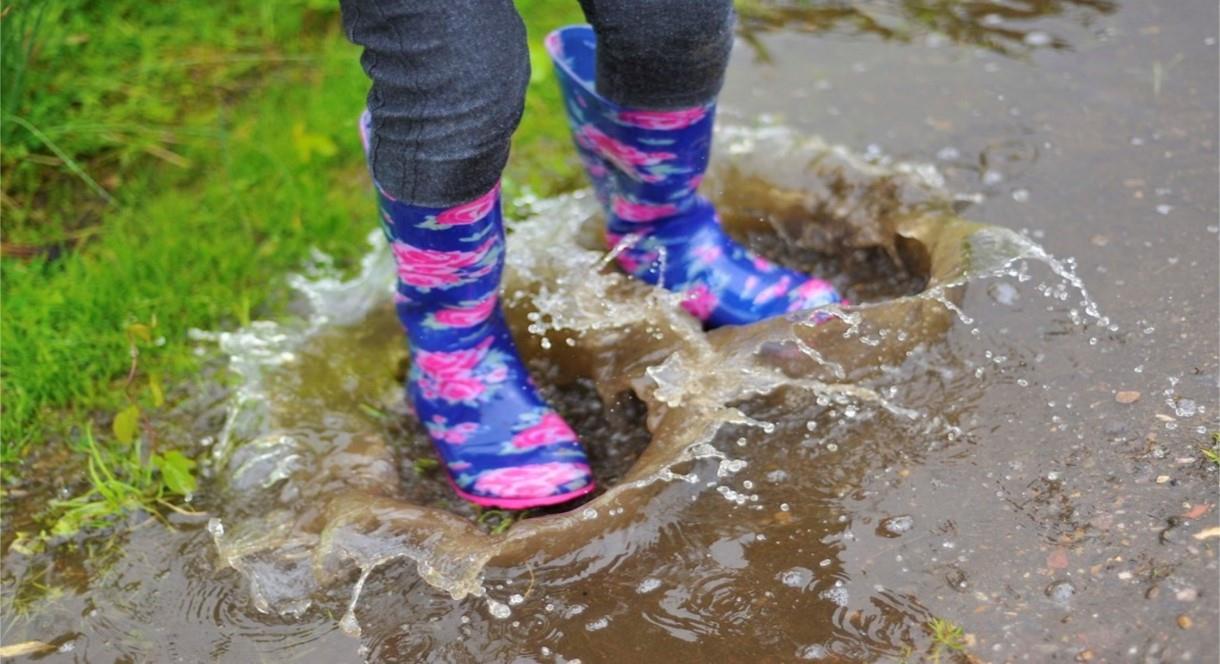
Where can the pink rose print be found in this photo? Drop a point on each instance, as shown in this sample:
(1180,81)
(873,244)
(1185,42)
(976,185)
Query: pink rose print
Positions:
(707,253)
(629,263)
(622,155)
(763,265)
(439,365)
(773,291)
(700,301)
(530,481)
(549,430)
(461,389)
(456,434)
(497,375)
(471,212)
(554,45)
(595,168)
(812,291)
(461,375)
(662,120)
(432,268)
(468,316)
(641,212)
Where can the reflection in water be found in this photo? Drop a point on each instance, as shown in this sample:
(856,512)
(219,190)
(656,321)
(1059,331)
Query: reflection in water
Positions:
(1003,26)
(317,491)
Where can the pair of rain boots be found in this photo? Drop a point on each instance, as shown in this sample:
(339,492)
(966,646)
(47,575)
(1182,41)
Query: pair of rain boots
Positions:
(500,443)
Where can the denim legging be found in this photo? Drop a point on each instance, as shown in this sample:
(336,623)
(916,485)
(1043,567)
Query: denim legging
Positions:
(449,79)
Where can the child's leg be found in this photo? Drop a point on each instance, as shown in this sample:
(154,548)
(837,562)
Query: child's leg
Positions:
(640,89)
(661,54)
(449,79)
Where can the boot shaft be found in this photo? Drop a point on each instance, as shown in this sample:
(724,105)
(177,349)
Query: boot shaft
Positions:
(449,262)
(646,164)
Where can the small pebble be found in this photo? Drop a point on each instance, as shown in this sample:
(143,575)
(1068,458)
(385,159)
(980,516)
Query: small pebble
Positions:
(1058,559)
(897,525)
(1207,533)
(1186,595)
(1127,396)
(1060,592)
(1197,510)
(1185,622)
(1163,479)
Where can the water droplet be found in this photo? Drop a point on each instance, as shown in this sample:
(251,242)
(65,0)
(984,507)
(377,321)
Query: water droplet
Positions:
(813,651)
(777,476)
(838,594)
(948,154)
(498,610)
(797,577)
(1037,38)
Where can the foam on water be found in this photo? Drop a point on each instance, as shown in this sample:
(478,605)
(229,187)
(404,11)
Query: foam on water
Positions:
(310,487)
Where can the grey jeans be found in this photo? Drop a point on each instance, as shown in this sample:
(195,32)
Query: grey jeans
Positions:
(449,79)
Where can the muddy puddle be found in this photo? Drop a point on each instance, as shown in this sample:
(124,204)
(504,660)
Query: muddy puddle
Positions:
(839,486)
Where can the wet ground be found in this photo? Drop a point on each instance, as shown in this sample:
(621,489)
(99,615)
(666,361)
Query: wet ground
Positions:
(994,455)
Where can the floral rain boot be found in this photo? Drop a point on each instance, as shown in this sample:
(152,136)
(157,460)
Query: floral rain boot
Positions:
(499,441)
(646,166)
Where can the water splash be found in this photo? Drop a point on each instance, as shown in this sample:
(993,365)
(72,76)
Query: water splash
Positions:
(309,480)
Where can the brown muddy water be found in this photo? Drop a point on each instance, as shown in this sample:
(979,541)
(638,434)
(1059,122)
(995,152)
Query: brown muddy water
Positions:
(950,448)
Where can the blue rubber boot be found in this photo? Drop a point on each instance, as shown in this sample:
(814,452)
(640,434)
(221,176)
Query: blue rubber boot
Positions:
(500,443)
(646,166)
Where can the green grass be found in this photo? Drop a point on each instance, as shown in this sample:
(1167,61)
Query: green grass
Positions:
(165,164)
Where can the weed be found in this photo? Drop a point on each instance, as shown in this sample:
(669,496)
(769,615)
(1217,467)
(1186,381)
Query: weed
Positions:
(122,481)
(1212,454)
(946,635)
(498,521)
(425,465)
